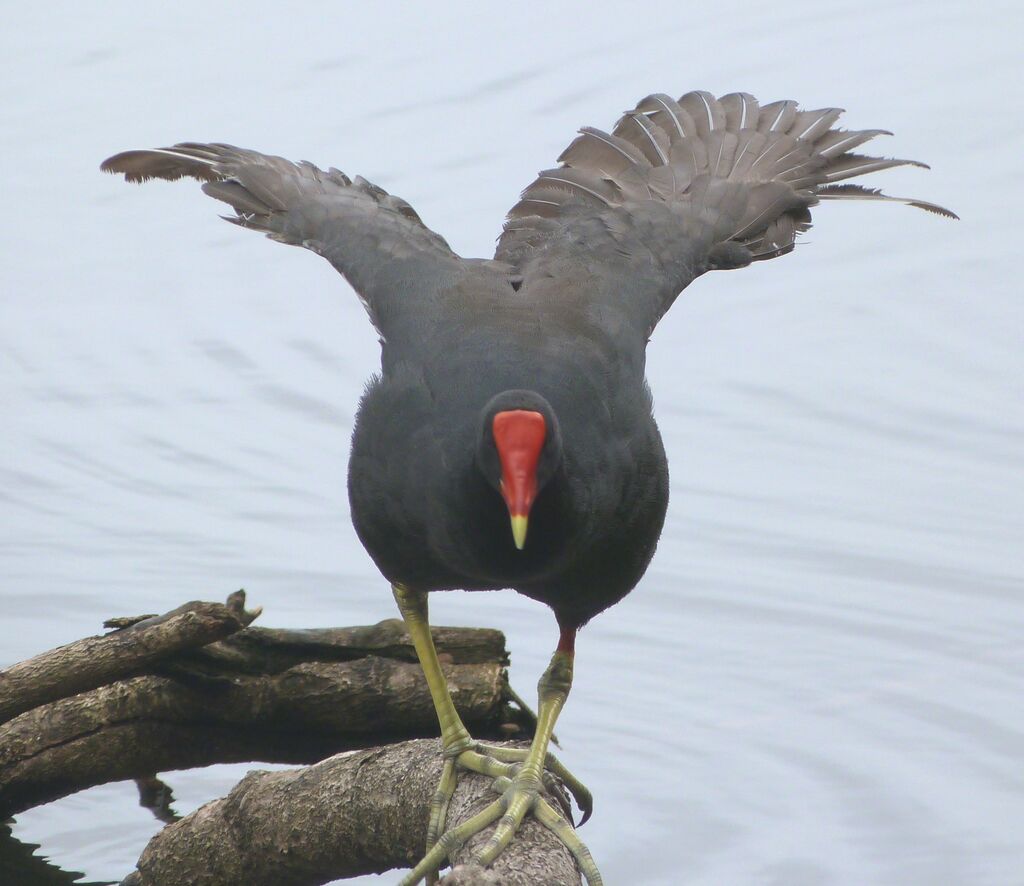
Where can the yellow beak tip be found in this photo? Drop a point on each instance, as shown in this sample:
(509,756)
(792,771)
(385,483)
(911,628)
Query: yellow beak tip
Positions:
(519,531)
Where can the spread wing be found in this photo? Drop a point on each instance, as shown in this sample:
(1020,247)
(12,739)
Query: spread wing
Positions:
(680,187)
(377,241)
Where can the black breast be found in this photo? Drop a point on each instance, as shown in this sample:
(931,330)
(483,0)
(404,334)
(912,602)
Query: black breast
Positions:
(429,519)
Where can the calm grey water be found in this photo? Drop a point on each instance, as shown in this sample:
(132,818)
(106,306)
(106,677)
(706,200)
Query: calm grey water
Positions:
(820,679)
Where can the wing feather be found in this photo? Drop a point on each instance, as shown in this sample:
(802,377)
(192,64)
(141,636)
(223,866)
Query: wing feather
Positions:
(680,187)
(396,264)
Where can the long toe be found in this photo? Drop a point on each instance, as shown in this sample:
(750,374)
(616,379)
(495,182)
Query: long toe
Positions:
(561,828)
(517,800)
(522,797)
(553,766)
(521,793)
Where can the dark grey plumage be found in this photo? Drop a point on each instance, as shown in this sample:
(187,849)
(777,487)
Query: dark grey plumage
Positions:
(678,187)
(591,257)
(515,387)
(377,241)
(691,185)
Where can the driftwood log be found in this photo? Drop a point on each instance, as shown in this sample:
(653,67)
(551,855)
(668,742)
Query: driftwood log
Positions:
(198,685)
(355,813)
(94,661)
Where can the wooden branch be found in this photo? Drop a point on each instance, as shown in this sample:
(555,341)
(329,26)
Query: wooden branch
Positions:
(351,814)
(197,686)
(136,727)
(273,649)
(96,661)
(151,724)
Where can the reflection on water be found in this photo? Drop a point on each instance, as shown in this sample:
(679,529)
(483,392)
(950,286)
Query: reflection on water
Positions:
(21,866)
(819,679)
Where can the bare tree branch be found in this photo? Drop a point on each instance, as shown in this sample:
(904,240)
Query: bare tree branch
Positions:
(355,813)
(96,661)
(196,686)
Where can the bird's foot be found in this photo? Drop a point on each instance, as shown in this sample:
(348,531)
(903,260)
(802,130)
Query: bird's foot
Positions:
(520,782)
(552,766)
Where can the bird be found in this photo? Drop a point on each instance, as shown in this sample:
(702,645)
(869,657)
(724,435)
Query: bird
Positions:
(509,439)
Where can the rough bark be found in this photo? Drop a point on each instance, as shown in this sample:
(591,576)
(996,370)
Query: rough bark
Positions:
(154,724)
(197,686)
(270,695)
(351,814)
(95,661)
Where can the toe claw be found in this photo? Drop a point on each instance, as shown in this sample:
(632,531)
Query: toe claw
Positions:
(556,789)
(587,808)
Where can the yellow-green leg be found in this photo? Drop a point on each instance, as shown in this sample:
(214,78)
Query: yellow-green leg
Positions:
(523,794)
(413,606)
(518,774)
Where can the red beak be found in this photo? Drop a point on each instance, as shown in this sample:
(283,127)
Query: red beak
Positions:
(519,435)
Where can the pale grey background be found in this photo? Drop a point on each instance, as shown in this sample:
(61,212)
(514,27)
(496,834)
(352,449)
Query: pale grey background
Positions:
(820,678)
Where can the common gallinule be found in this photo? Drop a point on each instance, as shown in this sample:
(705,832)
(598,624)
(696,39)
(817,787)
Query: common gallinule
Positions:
(514,388)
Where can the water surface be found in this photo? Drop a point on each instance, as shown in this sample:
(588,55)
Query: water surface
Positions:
(819,680)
